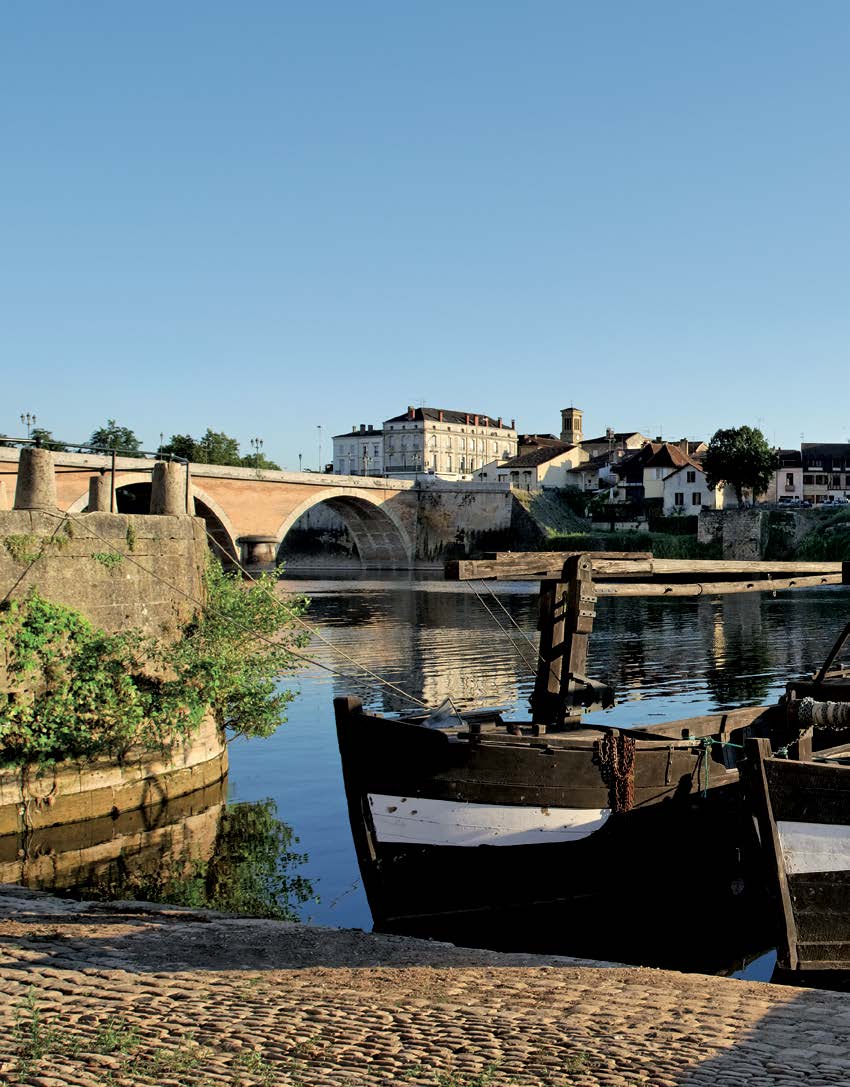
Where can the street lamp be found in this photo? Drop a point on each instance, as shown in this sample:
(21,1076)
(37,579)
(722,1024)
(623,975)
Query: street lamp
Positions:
(319,428)
(29,421)
(257,446)
(300,455)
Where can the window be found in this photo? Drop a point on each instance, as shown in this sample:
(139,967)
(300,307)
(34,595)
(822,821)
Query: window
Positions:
(690,477)
(448,462)
(836,481)
(696,498)
(820,481)
(808,480)
(679,498)
(789,480)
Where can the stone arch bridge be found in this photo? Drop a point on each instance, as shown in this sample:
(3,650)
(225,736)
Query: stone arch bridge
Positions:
(248,512)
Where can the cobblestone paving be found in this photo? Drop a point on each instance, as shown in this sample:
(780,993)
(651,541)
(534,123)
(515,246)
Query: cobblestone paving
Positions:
(108,996)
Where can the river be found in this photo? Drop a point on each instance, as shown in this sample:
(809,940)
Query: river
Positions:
(430,638)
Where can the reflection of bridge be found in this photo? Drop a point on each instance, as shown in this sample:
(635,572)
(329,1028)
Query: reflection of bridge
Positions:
(392,522)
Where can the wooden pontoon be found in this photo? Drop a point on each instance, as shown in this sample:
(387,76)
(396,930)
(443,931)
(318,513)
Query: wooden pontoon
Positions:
(556,835)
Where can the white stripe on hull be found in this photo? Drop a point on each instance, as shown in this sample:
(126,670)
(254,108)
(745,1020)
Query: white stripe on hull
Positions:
(418,821)
(814,847)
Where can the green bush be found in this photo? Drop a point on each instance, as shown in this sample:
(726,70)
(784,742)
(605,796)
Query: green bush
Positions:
(75,690)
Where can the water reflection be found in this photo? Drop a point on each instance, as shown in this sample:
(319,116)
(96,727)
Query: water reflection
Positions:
(193,851)
(666,658)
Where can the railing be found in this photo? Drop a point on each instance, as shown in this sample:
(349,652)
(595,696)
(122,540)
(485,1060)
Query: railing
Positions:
(111,451)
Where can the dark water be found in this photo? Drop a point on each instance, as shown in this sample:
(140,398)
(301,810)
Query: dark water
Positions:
(666,658)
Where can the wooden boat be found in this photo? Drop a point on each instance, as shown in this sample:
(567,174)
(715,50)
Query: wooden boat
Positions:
(803,812)
(554,835)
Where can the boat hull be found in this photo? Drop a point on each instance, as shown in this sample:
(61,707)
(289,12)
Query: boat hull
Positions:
(520,846)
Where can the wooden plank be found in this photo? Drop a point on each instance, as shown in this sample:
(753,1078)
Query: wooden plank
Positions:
(743,566)
(533,566)
(758,752)
(713,588)
(546,565)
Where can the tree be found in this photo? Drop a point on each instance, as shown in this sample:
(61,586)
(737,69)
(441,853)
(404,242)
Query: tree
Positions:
(741,458)
(45,439)
(215,447)
(260,460)
(113,436)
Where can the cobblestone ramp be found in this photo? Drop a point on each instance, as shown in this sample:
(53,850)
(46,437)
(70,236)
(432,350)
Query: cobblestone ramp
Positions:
(113,995)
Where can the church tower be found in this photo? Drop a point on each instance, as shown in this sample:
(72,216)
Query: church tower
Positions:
(571,425)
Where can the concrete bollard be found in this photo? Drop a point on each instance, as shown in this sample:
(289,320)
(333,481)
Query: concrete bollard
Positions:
(36,489)
(169,488)
(100,494)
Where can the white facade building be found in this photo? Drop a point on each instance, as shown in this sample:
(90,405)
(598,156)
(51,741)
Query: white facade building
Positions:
(360,452)
(452,445)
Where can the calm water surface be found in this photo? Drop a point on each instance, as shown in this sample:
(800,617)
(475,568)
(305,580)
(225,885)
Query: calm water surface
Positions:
(281,845)
(666,659)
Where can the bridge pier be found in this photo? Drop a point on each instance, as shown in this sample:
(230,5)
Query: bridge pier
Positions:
(258,554)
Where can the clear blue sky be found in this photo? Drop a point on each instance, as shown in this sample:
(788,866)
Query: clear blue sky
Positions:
(266,217)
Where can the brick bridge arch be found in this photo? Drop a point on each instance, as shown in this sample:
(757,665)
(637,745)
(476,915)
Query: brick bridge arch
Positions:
(379,534)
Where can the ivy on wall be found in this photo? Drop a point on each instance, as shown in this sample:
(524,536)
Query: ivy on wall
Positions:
(74,690)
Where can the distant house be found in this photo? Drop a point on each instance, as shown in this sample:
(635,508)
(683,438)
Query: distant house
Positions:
(545,466)
(359,452)
(825,470)
(614,441)
(787,482)
(663,473)
(596,473)
(442,442)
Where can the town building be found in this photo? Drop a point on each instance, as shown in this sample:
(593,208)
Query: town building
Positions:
(545,466)
(825,470)
(360,452)
(663,474)
(787,483)
(452,445)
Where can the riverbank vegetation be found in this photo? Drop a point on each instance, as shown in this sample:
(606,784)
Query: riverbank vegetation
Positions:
(72,690)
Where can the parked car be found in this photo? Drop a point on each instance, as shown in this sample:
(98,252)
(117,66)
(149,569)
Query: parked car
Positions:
(787,501)
(834,503)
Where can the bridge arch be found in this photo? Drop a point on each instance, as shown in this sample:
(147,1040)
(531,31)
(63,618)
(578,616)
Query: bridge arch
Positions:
(381,538)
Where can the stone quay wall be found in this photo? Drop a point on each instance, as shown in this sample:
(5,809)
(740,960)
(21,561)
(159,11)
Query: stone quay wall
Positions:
(123,572)
(34,797)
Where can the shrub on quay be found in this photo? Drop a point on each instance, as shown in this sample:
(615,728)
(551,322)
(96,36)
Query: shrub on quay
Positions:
(72,690)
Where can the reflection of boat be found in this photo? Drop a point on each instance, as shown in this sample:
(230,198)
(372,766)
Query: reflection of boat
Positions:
(558,836)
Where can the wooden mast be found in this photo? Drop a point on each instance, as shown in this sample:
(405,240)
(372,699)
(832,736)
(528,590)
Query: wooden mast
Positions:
(567,611)
(570,583)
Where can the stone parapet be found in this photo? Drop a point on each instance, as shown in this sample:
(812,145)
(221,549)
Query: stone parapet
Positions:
(120,570)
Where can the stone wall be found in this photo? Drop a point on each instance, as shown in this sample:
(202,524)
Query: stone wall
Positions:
(33,797)
(119,570)
(454,521)
(742,534)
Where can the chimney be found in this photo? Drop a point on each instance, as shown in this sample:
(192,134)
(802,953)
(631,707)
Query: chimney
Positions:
(499,422)
(513,424)
(659,439)
(362,427)
(354,428)
(410,412)
(467,418)
(486,420)
(476,420)
(370,428)
(441,417)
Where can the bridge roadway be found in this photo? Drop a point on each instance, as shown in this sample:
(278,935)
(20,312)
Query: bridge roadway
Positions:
(248,511)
